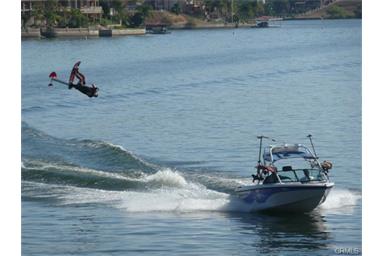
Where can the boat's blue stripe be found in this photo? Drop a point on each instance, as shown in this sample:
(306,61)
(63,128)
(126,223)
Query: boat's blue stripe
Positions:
(262,195)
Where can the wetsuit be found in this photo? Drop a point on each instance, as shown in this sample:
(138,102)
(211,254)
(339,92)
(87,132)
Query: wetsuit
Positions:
(90,91)
(87,90)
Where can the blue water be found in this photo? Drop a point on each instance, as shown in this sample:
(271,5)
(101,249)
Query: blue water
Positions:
(149,167)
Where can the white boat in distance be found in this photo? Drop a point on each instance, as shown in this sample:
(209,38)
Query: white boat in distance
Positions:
(287,187)
(268,22)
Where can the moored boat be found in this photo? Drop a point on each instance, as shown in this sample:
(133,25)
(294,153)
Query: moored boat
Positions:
(267,22)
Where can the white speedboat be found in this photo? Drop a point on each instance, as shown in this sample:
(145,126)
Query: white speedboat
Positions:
(284,183)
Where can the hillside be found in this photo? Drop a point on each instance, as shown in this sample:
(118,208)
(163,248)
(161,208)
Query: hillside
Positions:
(338,9)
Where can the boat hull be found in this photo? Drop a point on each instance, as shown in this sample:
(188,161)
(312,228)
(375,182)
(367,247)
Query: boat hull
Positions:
(284,197)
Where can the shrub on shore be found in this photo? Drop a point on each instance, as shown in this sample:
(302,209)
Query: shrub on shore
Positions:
(337,12)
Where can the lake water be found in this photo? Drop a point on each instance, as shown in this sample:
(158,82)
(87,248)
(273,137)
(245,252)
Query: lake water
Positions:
(149,167)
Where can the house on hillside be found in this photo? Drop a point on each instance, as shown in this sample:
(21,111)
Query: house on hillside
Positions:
(166,4)
(305,5)
(90,8)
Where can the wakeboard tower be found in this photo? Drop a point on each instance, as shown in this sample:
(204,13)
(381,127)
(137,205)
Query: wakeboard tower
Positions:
(90,91)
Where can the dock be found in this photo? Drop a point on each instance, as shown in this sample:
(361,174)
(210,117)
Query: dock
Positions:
(79,32)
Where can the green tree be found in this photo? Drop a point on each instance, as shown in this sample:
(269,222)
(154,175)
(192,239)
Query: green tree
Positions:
(77,19)
(259,9)
(138,18)
(24,18)
(51,12)
(280,7)
(64,18)
(336,12)
(268,9)
(176,9)
(246,10)
(358,12)
(106,6)
(144,9)
(38,14)
(118,6)
(236,19)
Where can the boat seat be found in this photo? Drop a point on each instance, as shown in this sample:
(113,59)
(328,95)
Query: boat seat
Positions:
(285,178)
(287,168)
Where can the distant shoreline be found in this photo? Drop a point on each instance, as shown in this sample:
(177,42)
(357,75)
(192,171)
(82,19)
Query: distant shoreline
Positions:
(93,32)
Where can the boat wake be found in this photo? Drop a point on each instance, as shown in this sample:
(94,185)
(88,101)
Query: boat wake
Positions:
(341,201)
(166,190)
(54,172)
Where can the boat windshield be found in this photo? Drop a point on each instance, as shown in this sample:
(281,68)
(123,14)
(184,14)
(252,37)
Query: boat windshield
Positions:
(275,153)
(301,175)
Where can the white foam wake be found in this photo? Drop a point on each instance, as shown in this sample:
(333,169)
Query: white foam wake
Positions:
(166,177)
(65,168)
(341,201)
(176,194)
(174,200)
(168,191)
